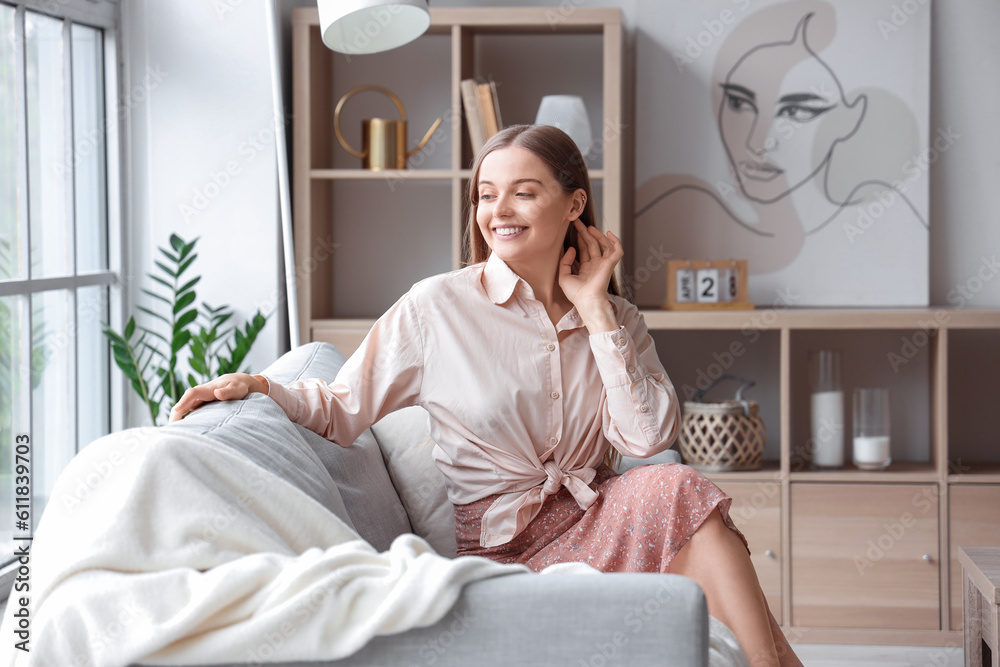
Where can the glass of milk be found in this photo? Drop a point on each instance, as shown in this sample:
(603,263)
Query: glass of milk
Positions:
(871,428)
(827,409)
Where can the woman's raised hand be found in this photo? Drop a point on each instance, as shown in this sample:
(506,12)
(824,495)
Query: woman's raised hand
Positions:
(599,254)
(228,387)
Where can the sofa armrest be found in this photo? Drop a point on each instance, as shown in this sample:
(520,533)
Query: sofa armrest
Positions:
(558,619)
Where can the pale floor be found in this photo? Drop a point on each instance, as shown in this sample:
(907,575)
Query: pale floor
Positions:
(828,655)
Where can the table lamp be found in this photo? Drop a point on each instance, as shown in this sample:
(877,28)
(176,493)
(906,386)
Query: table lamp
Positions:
(371,26)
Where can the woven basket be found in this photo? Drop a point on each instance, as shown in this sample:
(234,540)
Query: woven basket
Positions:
(727,435)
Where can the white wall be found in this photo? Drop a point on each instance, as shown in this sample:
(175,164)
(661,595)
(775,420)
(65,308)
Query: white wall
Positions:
(214,97)
(200,156)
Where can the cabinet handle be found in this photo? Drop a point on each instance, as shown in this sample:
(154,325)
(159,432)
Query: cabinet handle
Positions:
(769,553)
(927,558)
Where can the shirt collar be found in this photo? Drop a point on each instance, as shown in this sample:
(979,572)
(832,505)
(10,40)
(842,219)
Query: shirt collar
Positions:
(498,279)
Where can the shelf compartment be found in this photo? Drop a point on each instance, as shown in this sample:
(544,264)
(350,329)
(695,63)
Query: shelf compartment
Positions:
(379,252)
(973,472)
(973,402)
(693,359)
(572,63)
(870,358)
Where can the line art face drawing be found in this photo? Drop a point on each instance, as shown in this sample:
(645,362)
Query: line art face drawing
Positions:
(821,190)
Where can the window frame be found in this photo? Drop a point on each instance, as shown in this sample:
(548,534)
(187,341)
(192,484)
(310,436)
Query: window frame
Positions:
(103,15)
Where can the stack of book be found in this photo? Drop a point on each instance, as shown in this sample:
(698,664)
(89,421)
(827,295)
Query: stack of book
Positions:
(482,111)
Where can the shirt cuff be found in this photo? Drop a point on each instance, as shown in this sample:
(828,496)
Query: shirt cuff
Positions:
(617,360)
(286,399)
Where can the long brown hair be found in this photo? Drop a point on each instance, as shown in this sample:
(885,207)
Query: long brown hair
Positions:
(559,152)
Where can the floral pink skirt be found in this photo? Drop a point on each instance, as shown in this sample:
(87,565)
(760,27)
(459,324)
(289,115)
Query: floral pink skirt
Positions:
(639,522)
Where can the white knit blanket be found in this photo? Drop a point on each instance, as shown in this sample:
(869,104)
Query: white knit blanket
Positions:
(168,548)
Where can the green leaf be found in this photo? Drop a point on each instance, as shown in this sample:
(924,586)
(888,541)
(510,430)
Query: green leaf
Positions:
(177,243)
(154,314)
(124,361)
(159,336)
(191,283)
(180,340)
(185,319)
(163,282)
(188,248)
(198,365)
(166,269)
(173,258)
(156,296)
(158,353)
(130,328)
(115,338)
(184,302)
(191,381)
(187,262)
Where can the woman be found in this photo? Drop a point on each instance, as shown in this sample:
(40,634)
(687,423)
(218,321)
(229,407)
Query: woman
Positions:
(534,370)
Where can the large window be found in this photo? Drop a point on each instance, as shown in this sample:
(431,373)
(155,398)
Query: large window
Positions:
(58,253)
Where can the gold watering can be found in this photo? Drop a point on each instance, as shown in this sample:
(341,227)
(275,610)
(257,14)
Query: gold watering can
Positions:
(383,140)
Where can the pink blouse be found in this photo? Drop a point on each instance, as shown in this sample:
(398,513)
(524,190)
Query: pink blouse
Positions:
(517,406)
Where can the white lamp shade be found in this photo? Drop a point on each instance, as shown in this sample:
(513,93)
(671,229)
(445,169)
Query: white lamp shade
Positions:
(568,113)
(370,26)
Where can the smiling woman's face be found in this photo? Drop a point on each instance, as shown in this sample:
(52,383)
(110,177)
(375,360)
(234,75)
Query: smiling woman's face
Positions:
(769,125)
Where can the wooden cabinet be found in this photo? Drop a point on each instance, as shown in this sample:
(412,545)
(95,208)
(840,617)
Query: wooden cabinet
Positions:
(974,520)
(865,556)
(756,511)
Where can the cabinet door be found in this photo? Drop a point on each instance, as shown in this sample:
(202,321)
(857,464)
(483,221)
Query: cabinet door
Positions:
(974,520)
(865,556)
(756,511)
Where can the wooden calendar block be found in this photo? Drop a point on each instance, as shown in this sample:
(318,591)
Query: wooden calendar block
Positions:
(704,284)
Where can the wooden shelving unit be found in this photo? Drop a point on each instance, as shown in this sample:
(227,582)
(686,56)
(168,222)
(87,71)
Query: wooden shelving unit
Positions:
(808,529)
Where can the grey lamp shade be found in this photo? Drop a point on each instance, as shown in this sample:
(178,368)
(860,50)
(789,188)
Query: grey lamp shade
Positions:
(370,26)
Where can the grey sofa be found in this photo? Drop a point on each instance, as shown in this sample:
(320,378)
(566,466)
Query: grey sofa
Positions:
(557,619)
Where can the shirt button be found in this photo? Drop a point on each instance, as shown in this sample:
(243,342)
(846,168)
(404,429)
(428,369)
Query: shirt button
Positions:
(553,440)
(555,395)
(550,347)
(644,408)
(620,342)
(631,369)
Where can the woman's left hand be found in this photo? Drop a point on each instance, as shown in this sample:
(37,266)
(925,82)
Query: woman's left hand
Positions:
(599,254)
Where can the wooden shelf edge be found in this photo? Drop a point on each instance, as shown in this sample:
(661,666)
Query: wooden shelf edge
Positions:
(769,472)
(807,635)
(403,174)
(395,175)
(902,473)
(551,19)
(931,319)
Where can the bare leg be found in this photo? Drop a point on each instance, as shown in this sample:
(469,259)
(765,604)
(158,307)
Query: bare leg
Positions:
(717,560)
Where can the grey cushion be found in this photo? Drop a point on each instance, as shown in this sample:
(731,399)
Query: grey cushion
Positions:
(359,470)
(259,429)
(667,456)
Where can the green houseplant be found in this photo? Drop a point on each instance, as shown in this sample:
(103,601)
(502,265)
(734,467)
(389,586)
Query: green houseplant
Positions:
(149,358)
